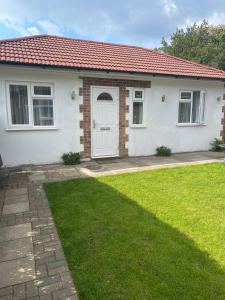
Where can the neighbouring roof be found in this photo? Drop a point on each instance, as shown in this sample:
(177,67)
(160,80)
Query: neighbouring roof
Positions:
(54,51)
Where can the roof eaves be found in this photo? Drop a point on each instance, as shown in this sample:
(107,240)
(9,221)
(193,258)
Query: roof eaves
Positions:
(153,74)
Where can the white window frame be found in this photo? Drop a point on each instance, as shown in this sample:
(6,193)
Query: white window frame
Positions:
(202,107)
(31,97)
(142,100)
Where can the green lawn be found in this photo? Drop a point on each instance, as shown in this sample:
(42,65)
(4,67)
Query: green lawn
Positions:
(151,235)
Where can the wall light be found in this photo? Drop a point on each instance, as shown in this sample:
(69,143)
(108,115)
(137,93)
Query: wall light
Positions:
(73,95)
(219,98)
(163,98)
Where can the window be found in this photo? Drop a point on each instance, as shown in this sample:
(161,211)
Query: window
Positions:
(105,97)
(138,107)
(31,104)
(19,104)
(43,112)
(42,90)
(192,107)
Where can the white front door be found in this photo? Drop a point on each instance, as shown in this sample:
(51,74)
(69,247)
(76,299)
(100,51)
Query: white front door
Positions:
(105,121)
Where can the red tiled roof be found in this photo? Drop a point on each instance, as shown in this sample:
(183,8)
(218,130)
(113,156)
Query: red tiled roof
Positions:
(45,50)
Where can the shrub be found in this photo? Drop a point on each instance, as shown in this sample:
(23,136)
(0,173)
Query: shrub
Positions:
(216,145)
(163,151)
(71,158)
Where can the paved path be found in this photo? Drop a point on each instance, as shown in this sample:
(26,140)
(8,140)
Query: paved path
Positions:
(32,263)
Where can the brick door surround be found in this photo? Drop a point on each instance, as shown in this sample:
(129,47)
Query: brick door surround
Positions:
(85,109)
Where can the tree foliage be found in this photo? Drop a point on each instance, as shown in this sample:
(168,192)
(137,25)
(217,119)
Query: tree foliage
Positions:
(202,43)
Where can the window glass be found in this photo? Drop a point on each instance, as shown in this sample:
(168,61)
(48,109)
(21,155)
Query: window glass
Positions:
(184,112)
(42,90)
(19,104)
(203,108)
(137,112)
(43,112)
(186,95)
(196,107)
(138,94)
(105,96)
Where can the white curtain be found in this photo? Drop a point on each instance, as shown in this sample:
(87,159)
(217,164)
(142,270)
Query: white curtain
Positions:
(196,107)
(137,112)
(184,112)
(19,104)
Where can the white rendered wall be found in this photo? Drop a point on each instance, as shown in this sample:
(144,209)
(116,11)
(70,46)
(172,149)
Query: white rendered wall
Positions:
(47,146)
(161,118)
(41,146)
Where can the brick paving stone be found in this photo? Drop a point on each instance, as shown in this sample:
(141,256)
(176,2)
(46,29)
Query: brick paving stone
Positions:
(49,284)
(6,291)
(31,289)
(46,297)
(41,271)
(62,293)
(57,267)
(19,292)
(8,297)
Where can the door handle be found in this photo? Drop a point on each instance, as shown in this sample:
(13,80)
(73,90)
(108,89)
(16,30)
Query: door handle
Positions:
(94,124)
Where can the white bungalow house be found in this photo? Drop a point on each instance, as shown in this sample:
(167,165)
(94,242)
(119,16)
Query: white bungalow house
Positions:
(103,100)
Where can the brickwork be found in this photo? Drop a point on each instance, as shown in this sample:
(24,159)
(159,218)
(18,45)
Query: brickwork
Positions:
(85,108)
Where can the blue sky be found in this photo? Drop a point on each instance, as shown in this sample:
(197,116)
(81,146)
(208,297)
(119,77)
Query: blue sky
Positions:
(137,22)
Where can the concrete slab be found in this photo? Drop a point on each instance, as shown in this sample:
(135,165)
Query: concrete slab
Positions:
(17,271)
(15,249)
(15,208)
(39,176)
(17,199)
(117,166)
(16,192)
(69,172)
(15,232)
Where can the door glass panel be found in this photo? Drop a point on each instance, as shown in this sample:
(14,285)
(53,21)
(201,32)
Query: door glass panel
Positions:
(105,97)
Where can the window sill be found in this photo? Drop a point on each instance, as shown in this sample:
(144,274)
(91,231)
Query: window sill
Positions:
(138,126)
(31,129)
(190,125)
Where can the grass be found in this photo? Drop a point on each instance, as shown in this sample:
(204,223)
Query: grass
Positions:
(151,235)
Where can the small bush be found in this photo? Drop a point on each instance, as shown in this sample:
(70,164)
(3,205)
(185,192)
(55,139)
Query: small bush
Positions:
(71,158)
(216,145)
(163,151)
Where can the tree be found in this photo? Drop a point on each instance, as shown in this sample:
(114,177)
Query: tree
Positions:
(201,43)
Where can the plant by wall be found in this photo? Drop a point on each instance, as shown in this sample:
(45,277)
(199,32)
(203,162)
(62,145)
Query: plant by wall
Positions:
(216,145)
(163,151)
(71,158)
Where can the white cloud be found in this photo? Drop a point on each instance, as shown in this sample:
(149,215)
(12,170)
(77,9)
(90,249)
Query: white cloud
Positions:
(32,31)
(217,18)
(170,8)
(49,27)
